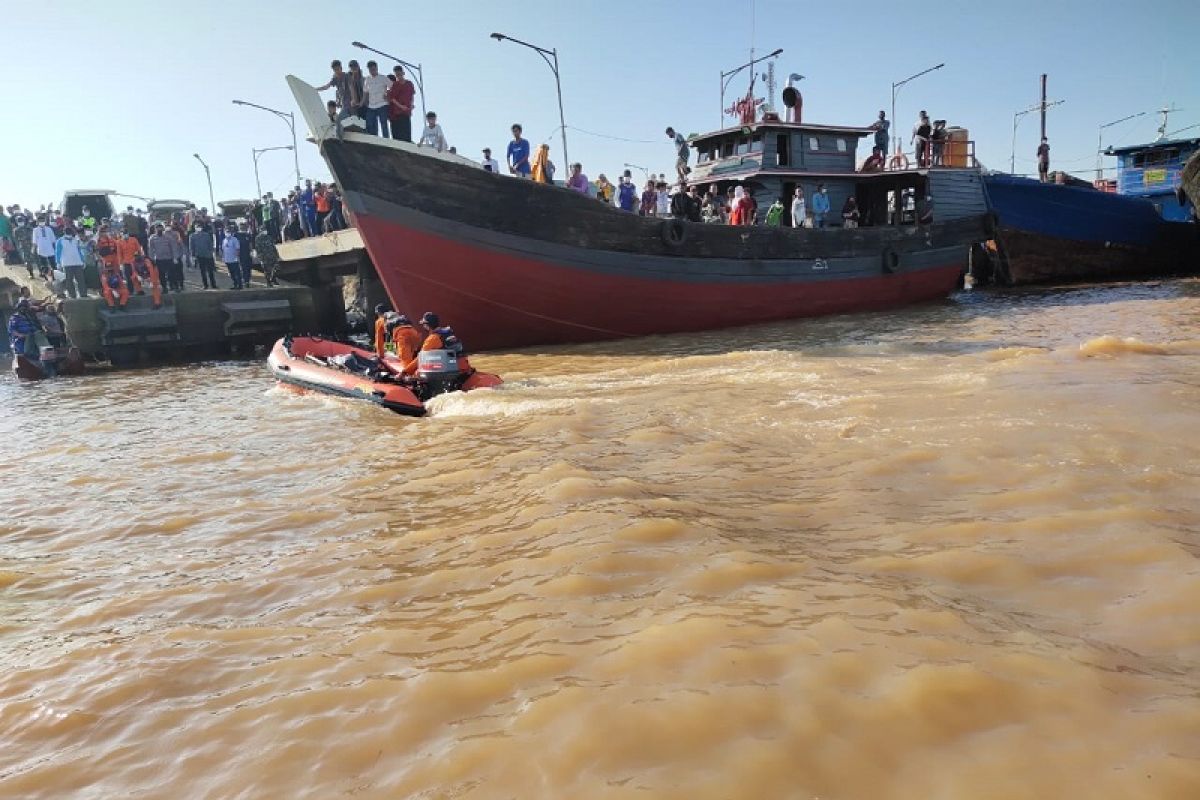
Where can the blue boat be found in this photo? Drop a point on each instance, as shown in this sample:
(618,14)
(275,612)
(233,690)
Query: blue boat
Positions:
(1058,231)
(1153,172)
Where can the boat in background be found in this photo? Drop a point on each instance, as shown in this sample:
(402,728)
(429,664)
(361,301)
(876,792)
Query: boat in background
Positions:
(512,263)
(1057,231)
(1154,172)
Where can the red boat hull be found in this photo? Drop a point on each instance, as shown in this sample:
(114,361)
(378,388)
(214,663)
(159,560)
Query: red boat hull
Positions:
(498,299)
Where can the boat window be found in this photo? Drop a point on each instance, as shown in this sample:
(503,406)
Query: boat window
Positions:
(813,144)
(841,145)
(727,147)
(743,146)
(783,152)
(756,144)
(705,156)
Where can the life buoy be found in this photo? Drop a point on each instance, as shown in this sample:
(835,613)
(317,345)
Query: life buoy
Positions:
(674,232)
(890,261)
(898,161)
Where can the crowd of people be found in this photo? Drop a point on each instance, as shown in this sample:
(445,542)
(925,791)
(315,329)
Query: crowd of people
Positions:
(134,254)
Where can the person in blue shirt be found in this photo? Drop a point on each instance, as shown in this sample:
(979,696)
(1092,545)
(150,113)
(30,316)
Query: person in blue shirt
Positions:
(820,206)
(626,195)
(518,154)
(21,329)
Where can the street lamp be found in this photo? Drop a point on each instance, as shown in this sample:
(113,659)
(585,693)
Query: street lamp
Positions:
(415,69)
(287,117)
(212,203)
(1012,159)
(1100,141)
(546,56)
(896,90)
(728,76)
(256,152)
(645,171)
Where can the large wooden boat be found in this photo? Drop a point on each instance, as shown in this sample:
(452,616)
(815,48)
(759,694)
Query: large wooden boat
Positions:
(1190,182)
(510,263)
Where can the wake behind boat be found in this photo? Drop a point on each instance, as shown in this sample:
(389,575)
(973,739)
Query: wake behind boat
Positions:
(322,365)
(517,263)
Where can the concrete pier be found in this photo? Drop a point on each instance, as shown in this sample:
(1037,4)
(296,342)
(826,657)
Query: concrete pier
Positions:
(194,324)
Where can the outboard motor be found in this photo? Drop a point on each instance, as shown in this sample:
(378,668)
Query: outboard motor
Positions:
(439,370)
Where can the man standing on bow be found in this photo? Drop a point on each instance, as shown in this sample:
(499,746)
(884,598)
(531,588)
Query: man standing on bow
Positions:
(682,153)
(400,105)
(518,154)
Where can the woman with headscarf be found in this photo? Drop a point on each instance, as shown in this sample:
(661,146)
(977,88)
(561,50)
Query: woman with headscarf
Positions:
(541,173)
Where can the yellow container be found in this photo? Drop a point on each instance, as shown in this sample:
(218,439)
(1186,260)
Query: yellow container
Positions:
(957,151)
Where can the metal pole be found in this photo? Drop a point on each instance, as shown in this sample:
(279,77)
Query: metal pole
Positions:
(561,120)
(895,90)
(1043,106)
(1012,159)
(295,149)
(257,184)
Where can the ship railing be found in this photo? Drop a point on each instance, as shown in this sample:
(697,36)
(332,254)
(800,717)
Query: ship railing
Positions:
(947,154)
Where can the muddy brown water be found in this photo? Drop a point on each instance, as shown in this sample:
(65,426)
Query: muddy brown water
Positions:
(947,552)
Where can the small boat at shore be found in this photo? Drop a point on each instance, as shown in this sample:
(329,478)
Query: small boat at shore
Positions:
(322,365)
(62,361)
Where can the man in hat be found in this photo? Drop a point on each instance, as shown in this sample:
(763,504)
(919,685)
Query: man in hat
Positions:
(488,162)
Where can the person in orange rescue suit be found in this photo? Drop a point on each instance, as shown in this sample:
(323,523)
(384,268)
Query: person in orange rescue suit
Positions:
(127,248)
(145,271)
(112,285)
(380,338)
(406,338)
(437,338)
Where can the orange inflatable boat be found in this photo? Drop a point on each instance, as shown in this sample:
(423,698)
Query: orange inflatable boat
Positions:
(338,368)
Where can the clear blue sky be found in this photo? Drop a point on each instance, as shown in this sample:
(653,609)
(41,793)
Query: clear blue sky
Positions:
(119,95)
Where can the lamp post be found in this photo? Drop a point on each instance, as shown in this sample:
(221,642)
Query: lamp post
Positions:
(212,203)
(896,90)
(645,171)
(258,151)
(726,77)
(287,117)
(414,68)
(1100,141)
(546,55)
(1012,159)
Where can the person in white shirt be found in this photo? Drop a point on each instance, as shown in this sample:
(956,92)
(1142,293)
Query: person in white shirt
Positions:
(375,87)
(432,136)
(799,212)
(69,255)
(43,243)
(488,162)
(662,201)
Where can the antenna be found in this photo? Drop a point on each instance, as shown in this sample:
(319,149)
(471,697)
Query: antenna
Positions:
(1162,128)
(769,77)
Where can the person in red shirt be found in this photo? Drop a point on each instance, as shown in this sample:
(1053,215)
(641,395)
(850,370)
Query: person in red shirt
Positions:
(400,106)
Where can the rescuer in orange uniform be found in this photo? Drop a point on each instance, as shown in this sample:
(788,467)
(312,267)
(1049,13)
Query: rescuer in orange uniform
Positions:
(407,340)
(380,339)
(112,286)
(127,248)
(144,270)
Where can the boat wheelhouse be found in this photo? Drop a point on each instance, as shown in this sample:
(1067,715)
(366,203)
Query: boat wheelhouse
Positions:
(772,158)
(1153,171)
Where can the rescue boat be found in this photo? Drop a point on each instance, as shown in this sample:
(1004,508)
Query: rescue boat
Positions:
(338,368)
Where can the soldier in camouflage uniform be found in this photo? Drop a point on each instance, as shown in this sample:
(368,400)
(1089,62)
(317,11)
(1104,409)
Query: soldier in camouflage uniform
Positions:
(23,237)
(268,255)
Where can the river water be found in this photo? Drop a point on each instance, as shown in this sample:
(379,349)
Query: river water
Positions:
(947,552)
